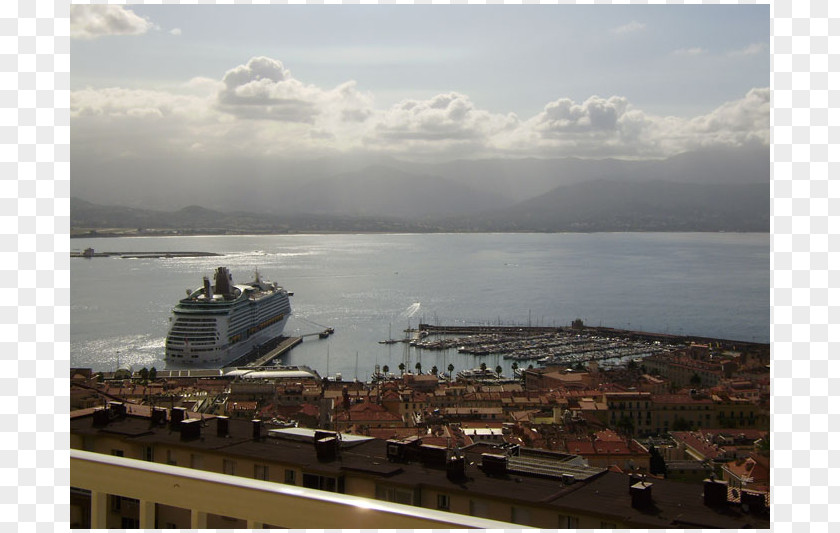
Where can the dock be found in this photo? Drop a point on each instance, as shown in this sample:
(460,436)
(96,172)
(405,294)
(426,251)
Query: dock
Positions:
(281,349)
(260,357)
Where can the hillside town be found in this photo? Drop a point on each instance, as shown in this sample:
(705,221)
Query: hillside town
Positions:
(683,418)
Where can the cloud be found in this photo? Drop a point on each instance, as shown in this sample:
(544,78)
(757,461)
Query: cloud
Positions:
(696,51)
(750,50)
(175,31)
(264,89)
(630,27)
(94,21)
(259,108)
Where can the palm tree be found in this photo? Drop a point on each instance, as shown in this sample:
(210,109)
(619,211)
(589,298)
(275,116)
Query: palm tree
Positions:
(483,367)
(402,368)
(499,370)
(418,367)
(385,369)
(435,371)
(451,367)
(514,366)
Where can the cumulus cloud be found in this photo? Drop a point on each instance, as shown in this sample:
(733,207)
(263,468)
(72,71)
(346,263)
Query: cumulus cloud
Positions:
(94,21)
(264,89)
(444,123)
(612,127)
(259,108)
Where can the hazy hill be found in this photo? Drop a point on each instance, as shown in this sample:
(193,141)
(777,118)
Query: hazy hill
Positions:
(383,186)
(603,205)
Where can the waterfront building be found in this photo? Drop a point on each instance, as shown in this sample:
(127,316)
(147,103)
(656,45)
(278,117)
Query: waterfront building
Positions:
(514,485)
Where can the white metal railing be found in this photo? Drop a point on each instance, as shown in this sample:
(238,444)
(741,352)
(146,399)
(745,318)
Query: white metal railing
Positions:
(256,501)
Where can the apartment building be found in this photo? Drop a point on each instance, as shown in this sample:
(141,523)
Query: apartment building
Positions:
(539,489)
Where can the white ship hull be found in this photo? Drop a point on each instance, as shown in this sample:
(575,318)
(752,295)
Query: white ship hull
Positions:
(216,325)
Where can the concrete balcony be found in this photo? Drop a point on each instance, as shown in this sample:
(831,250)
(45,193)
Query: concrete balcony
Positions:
(162,495)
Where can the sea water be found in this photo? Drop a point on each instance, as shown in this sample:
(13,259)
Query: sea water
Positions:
(368,287)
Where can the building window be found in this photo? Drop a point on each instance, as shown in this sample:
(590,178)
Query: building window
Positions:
(314,481)
(261,472)
(289,477)
(520,515)
(393,494)
(117,453)
(229,467)
(567,522)
(478,509)
(443,502)
(170,458)
(149,453)
(196,461)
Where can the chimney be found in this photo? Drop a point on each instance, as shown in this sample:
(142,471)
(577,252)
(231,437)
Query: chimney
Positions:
(158,416)
(116,410)
(190,428)
(494,464)
(256,426)
(641,494)
(714,492)
(326,447)
(100,417)
(176,415)
(632,479)
(222,426)
(456,469)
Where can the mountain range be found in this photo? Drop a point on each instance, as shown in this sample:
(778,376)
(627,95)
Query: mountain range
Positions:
(711,190)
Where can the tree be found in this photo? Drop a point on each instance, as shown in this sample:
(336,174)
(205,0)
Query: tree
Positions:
(483,367)
(385,369)
(657,463)
(435,371)
(451,367)
(418,367)
(402,368)
(152,374)
(144,374)
(499,370)
(577,323)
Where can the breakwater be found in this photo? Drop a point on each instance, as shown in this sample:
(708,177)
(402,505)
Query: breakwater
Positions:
(88,254)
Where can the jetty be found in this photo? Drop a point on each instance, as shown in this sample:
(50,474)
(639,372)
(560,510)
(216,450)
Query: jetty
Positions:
(89,253)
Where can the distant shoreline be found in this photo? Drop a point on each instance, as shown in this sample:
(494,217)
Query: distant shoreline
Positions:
(108,233)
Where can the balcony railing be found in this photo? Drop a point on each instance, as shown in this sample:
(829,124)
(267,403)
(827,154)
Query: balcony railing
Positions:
(254,501)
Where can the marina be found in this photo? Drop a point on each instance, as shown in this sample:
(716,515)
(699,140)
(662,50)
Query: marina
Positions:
(555,346)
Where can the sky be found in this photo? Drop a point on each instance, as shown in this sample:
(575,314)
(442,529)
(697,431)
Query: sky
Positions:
(428,83)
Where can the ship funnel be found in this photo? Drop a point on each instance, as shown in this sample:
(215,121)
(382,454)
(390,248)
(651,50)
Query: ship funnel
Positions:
(208,290)
(224,282)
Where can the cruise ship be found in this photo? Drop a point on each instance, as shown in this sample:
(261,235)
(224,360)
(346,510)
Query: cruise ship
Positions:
(216,324)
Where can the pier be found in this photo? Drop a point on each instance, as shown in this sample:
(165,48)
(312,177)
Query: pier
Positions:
(260,357)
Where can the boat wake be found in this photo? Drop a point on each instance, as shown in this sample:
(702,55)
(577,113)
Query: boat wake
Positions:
(411,310)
